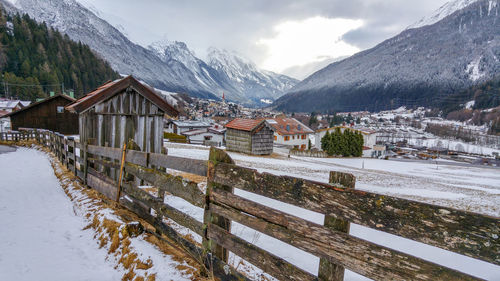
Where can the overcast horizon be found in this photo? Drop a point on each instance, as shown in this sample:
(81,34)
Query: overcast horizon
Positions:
(290,37)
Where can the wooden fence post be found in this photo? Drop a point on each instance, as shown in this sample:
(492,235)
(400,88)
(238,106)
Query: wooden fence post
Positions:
(85,162)
(74,158)
(209,246)
(327,270)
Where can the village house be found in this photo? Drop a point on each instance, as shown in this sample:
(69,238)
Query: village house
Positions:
(7,105)
(46,114)
(123,110)
(180,126)
(290,132)
(370,148)
(212,136)
(249,136)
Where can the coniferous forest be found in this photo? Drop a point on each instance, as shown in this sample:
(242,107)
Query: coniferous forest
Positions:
(36,59)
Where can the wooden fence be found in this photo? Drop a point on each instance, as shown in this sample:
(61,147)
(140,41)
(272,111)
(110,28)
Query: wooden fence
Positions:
(466,233)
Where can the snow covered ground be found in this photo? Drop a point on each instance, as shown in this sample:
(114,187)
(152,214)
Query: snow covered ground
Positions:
(41,237)
(474,189)
(45,235)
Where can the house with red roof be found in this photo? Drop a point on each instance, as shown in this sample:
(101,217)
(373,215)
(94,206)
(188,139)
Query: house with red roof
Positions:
(290,132)
(249,136)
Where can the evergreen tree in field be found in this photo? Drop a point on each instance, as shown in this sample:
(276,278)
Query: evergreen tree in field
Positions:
(35,60)
(348,143)
(325,142)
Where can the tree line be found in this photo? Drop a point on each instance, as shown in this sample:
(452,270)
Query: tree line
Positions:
(36,59)
(348,143)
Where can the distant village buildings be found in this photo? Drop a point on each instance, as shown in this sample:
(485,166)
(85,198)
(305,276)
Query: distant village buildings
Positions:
(211,136)
(178,126)
(7,106)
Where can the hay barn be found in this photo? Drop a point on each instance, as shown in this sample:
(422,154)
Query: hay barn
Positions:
(249,136)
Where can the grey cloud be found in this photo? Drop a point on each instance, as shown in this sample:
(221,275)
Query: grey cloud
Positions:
(237,25)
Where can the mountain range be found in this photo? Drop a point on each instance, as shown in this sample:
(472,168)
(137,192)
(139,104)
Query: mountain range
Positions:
(451,50)
(166,65)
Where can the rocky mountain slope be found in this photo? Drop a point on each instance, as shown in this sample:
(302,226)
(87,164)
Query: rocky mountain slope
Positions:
(420,66)
(172,67)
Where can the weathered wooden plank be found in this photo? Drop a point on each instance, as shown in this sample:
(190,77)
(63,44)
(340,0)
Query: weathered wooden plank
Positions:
(463,232)
(328,270)
(133,156)
(269,263)
(164,209)
(368,259)
(192,166)
(210,247)
(97,182)
(109,152)
(176,185)
(137,157)
(218,268)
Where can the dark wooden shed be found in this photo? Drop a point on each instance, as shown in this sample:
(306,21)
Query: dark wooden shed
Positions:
(122,110)
(47,114)
(249,136)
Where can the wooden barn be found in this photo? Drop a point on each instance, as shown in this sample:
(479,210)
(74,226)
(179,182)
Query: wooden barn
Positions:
(46,114)
(122,110)
(249,136)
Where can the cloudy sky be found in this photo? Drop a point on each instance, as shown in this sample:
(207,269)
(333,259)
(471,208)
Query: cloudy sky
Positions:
(293,37)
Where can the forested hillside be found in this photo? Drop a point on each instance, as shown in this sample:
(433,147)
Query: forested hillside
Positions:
(484,108)
(35,60)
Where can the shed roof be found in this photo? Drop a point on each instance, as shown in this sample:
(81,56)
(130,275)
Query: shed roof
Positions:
(112,88)
(244,124)
(70,99)
(289,126)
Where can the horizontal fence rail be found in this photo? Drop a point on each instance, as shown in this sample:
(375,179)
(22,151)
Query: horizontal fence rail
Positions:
(466,233)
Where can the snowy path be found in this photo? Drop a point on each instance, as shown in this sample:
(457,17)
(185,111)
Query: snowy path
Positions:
(41,237)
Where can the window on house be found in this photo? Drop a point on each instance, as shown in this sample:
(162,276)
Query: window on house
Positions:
(287,138)
(303,137)
(275,138)
(60,109)
(208,137)
(293,137)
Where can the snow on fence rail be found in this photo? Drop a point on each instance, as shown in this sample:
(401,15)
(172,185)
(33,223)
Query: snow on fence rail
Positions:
(470,234)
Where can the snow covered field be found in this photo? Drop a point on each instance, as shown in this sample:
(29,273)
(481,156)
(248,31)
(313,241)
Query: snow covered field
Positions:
(45,236)
(474,189)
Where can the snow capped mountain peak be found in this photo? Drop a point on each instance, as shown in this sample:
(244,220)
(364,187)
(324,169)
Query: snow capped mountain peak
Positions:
(230,62)
(447,9)
(167,64)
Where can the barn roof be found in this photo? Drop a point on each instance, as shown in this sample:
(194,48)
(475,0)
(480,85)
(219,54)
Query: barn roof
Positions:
(70,99)
(112,88)
(244,124)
